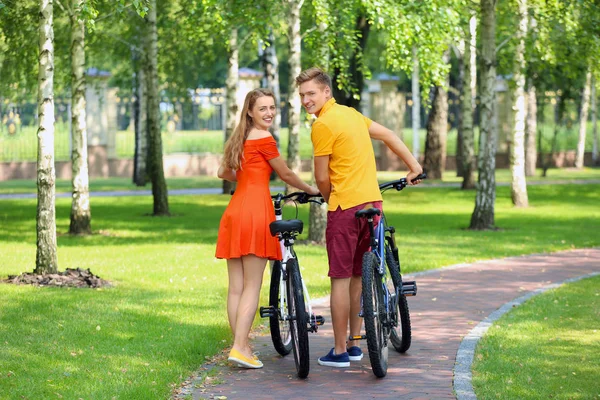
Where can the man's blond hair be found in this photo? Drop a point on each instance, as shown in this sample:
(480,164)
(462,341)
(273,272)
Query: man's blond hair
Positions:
(316,74)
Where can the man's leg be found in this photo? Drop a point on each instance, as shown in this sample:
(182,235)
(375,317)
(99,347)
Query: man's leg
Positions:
(355,320)
(340,309)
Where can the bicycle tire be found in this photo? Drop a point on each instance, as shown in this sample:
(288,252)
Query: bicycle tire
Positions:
(401,335)
(280,332)
(373,310)
(299,319)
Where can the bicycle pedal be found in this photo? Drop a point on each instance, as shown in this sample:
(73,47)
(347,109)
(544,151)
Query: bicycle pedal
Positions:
(409,288)
(267,312)
(320,319)
(357,337)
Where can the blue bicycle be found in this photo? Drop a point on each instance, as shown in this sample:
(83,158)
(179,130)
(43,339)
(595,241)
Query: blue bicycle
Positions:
(384,306)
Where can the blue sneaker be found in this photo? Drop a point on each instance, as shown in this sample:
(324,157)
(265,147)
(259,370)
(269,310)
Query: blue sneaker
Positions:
(335,360)
(355,353)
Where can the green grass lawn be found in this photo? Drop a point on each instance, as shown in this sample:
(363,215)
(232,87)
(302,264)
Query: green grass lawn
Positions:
(548,348)
(194,182)
(166,312)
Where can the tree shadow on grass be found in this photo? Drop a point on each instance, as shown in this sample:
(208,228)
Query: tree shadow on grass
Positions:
(82,343)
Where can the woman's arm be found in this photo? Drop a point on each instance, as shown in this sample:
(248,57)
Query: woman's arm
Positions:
(289,177)
(226,173)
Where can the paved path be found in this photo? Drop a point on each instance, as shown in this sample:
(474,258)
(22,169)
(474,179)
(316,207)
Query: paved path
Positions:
(450,303)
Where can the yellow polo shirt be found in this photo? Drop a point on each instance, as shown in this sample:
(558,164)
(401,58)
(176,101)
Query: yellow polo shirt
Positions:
(343,133)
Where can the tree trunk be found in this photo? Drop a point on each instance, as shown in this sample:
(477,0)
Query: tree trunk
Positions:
(294,104)
(483,214)
(460,84)
(46,260)
(140,115)
(468,105)
(271,80)
(157,173)
(416,107)
(80,205)
(317,220)
(583,116)
(231,84)
(594,123)
(518,187)
(437,132)
(531,139)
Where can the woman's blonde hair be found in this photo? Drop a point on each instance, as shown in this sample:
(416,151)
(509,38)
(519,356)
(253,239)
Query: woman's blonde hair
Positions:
(234,147)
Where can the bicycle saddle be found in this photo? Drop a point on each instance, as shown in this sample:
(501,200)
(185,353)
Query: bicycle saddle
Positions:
(369,212)
(287,225)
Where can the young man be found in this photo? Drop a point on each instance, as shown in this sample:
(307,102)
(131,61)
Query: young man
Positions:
(346,175)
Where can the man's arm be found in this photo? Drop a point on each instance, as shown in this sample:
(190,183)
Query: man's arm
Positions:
(393,142)
(322,176)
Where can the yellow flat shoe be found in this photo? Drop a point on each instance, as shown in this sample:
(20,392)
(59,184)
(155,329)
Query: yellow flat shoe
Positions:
(243,361)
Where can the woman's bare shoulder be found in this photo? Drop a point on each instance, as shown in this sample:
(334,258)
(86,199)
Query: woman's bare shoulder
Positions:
(258,134)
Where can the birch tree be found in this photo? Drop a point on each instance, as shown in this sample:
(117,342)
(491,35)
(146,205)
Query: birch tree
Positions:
(467,105)
(437,131)
(416,106)
(518,185)
(294,104)
(81,216)
(483,214)
(231,87)
(46,256)
(157,173)
(583,117)
(594,123)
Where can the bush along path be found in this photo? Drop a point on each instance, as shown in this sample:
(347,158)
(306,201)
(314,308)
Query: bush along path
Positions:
(450,303)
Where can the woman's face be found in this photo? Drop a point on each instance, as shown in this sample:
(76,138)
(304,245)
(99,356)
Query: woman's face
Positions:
(263,112)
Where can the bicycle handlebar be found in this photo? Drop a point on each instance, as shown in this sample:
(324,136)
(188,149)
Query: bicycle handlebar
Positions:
(401,183)
(300,197)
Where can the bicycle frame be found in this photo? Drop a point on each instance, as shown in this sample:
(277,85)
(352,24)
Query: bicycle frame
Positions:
(287,252)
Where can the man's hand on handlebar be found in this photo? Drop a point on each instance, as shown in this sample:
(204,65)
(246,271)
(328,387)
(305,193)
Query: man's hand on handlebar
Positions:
(414,178)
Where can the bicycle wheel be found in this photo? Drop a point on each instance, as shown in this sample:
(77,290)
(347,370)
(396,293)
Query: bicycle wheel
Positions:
(373,312)
(298,318)
(401,334)
(280,332)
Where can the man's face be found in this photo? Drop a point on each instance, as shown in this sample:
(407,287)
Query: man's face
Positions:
(314,96)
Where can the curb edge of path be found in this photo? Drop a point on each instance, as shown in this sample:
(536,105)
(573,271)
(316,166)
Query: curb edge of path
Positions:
(462,381)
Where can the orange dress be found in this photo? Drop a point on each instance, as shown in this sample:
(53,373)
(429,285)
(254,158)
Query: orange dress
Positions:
(244,227)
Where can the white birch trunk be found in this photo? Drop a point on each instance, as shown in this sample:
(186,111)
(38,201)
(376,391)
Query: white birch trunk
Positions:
(468,106)
(483,214)
(416,107)
(518,185)
(46,260)
(231,87)
(157,175)
(294,104)
(80,205)
(594,123)
(583,116)
(531,134)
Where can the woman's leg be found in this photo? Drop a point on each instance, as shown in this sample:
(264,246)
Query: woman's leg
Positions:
(254,268)
(235,271)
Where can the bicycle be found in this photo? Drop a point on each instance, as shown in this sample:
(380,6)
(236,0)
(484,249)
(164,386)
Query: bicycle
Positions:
(384,305)
(289,311)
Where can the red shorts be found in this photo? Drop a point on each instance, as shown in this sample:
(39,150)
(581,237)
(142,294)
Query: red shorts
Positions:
(348,240)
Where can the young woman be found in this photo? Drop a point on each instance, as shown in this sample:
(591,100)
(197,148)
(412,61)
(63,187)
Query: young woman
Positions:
(244,238)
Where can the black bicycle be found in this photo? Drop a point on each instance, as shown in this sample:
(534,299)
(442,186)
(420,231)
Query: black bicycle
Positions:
(384,306)
(289,311)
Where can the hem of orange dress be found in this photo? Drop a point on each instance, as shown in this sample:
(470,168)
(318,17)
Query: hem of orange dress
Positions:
(271,258)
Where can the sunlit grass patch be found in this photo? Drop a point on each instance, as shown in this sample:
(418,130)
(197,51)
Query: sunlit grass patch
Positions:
(548,348)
